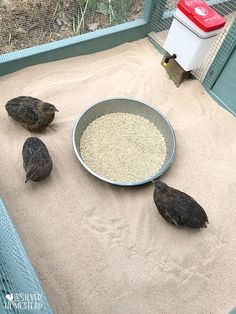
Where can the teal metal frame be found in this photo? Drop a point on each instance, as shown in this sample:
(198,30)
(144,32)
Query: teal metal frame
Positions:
(226,50)
(221,58)
(78,45)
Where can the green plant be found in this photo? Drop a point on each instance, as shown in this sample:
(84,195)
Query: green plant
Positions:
(121,10)
(78,21)
(91,6)
(117,12)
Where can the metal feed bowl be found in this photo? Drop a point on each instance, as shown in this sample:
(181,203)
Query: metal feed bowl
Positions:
(129,106)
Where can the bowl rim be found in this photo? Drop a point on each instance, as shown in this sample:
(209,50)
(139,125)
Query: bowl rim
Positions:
(120,183)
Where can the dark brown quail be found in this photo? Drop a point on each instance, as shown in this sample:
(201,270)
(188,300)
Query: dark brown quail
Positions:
(36,159)
(178,208)
(32,113)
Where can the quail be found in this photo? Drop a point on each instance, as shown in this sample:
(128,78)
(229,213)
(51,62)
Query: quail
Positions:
(32,113)
(177,207)
(36,159)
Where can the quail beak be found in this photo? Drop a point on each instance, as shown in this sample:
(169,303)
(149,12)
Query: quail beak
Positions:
(26,180)
(56,110)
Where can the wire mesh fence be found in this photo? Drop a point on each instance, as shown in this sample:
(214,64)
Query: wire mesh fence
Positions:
(202,71)
(223,50)
(27,23)
(162,18)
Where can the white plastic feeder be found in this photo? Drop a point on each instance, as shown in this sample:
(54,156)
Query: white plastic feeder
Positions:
(192,33)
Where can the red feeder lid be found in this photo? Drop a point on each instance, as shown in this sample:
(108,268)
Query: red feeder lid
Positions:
(201,14)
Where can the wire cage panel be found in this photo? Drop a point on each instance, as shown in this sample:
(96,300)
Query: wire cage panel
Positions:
(20,290)
(223,51)
(28,23)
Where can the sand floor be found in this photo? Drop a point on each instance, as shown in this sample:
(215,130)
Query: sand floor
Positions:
(100,249)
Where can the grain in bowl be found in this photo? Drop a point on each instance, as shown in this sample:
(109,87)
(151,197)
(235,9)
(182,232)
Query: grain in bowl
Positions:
(123,147)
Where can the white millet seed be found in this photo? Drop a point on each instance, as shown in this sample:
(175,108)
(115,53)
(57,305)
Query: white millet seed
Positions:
(123,147)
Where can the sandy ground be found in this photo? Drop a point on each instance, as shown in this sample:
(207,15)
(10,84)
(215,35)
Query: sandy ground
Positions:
(100,249)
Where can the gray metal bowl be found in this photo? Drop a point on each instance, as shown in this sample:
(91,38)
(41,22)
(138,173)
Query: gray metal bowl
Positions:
(130,106)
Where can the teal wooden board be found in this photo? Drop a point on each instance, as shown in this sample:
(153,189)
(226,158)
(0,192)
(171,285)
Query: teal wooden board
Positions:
(74,46)
(220,102)
(225,86)
(20,291)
